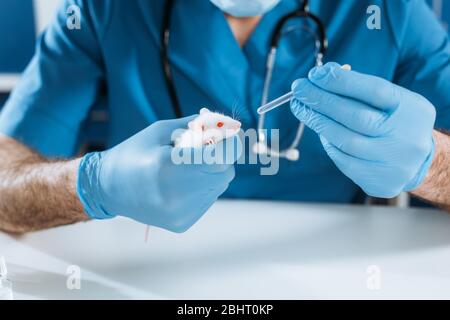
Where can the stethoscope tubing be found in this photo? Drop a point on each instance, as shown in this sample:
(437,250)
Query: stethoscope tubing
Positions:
(261,146)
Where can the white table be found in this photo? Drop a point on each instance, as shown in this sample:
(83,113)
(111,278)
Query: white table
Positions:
(243,249)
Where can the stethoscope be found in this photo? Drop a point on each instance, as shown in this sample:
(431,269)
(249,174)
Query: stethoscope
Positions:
(261,147)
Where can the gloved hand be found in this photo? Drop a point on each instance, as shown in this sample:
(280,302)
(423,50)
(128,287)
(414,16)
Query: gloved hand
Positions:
(139,180)
(377,133)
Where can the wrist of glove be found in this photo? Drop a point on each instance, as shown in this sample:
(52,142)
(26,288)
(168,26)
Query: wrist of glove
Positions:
(88,186)
(423,170)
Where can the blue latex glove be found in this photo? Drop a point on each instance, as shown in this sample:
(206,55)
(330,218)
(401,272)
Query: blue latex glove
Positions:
(377,133)
(139,180)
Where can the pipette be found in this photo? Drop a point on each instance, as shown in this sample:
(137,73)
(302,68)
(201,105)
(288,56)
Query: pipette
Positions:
(275,103)
(287,97)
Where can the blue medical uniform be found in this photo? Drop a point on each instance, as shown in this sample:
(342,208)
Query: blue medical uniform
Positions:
(114,59)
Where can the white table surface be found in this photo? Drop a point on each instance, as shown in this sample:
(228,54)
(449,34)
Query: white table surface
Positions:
(242,250)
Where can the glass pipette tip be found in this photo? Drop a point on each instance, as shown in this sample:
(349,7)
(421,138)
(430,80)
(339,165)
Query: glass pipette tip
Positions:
(275,103)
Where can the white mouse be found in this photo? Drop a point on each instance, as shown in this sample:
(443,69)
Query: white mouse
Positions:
(208,128)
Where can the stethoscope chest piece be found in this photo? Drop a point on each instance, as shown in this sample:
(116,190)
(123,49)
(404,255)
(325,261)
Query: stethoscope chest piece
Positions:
(291,154)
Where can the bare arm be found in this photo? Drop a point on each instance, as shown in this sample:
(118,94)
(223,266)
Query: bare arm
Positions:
(436,186)
(36,193)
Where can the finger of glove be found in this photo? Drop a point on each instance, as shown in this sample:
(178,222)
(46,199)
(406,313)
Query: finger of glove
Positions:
(353,114)
(340,136)
(372,90)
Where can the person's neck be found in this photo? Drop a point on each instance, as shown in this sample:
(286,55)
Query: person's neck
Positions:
(242,28)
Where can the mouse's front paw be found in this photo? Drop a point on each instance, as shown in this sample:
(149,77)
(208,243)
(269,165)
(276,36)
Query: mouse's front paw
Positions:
(210,141)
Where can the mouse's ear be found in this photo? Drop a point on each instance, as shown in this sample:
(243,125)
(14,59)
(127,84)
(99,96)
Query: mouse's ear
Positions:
(204,110)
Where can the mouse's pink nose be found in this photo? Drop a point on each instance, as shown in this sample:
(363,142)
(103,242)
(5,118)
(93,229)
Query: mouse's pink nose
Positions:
(237,126)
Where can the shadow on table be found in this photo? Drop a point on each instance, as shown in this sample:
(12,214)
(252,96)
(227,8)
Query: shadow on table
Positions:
(48,285)
(357,235)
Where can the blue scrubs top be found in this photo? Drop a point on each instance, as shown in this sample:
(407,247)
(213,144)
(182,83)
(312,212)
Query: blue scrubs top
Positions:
(114,59)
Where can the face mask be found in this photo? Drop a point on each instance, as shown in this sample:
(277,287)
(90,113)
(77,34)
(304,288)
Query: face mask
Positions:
(245,8)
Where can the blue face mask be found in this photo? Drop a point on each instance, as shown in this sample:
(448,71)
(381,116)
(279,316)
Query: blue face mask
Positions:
(245,8)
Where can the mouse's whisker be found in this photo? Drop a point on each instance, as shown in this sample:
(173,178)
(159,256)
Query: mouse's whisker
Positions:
(238,113)
(235,107)
(236,110)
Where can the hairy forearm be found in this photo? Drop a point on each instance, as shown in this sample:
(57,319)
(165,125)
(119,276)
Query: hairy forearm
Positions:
(436,185)
(36,193)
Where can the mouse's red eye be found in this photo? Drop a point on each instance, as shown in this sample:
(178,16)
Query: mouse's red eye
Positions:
(220,124)
(203,128)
